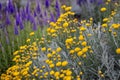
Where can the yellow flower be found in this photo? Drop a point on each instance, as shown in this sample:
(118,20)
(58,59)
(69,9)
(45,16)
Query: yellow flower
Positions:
(71,51)
(32,33)
(89,35)
(57,74)
(115,26)
(58,49)
(28,40)
(108,0)
(58,64)
(88,24)
(82,28)
(81,37)
(84,50)
(99,72)
(52,31)
(64,63)
(65,24)
(102,75)
(103,9)
(104,25)
(52,65)
(69,41)
(118,50)
(68,72)
(84,43)
(77,49)
(105,19)
(80,53)
(43,49)
(68,8)
(16,52)
(49,55)
(63,6)
(62,75)
(52,72)
(15,73)
(81,73)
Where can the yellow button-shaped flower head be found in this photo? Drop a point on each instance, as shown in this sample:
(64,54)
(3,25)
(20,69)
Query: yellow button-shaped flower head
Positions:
(58,64)
(65,25)
(118,50)
(64,63)
(103,9)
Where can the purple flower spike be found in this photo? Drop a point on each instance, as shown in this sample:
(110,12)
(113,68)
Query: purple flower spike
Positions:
(17,19)
(100,2)
(21,25)
(34,26)
(0,6)
(7,21)
(35,14)
(47,3)
(38,9)
(52,18)
(28,7)
(57,7)
(16,32)
(22,13)
(10,6)
(31,18)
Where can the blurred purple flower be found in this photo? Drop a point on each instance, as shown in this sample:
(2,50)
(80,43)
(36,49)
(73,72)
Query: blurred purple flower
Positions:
(22,13)
(57,7)
(38,8)
(31,18)
(0,16)
(35,13)
(10,7)
(17,18)
(47,3)
(16,32)
(34,26)
(52,18)
(21,24)
(0,6)
(100,2)
(7,21)
(28,7)
(79,2)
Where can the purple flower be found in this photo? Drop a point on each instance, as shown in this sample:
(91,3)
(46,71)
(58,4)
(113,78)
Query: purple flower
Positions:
(31,18)
(0,6)
(0,16)
(16,32)
(7,21)
(34,26)
(52,17)
(28,7)
(35,14)
(21,25)
(17,18)
(47,3)
(22,13)
(79,2)
(57,7)
(10,6)
(100,2)
(38,9)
